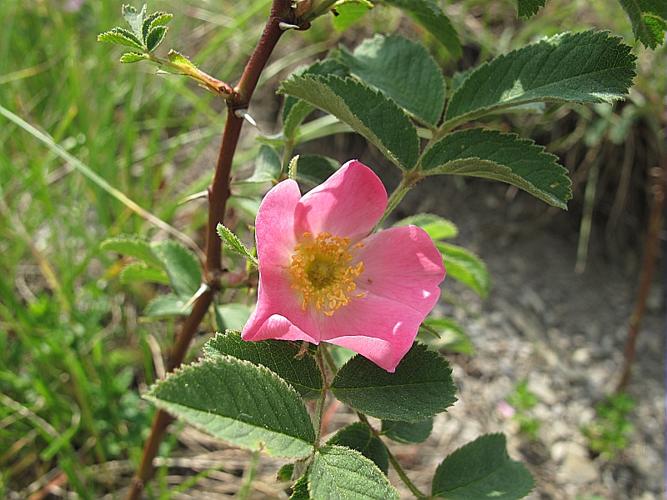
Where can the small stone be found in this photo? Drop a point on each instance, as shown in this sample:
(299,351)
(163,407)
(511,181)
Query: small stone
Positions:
(581,356)
(576,467)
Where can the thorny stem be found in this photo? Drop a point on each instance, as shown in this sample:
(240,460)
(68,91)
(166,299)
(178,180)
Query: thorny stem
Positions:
(394,462)
(648,265)
(218,194)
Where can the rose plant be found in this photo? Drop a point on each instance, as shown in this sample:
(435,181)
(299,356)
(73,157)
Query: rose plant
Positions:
(326,270)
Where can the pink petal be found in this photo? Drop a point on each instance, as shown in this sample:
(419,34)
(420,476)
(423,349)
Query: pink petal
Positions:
(378,328)
(402,264)
(276,239)
(276,298)
(347,204)
(279,328)
(274,226)
(401,278)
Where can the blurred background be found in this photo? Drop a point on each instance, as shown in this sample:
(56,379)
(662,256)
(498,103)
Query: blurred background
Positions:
(547,342)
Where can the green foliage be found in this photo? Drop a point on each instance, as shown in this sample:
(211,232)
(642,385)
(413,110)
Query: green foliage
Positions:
(529,8)
(135,18)
(407,432)
(338,472)
(464,266)
(300,489)
(232,315)
(267,166)
(438,228)
(449,336)
(402,70)
(420,388)
(285,472)
(350,12)
(235,244)
(181,265)
(428,14)
(147,32)
(166,305)
(242,403)
(523,400)
(121,36)
(649,20)
(132,57)
(312,170)
(610,432)
(481,469)
(138,272)
(503,157)
(278,356)
(367,111)
(155,37)
(132,246)
(360,437)
(591,66)
(296,110)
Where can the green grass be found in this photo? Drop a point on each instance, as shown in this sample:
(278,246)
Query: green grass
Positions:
(72,353)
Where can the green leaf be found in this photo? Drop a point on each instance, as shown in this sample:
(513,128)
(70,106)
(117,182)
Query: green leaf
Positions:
(503,157)
(121,36)
(244,404)
(450,336)
(232,316)
(433,19)
(367,111)
(155,19)
(649,20)
(182,62)
(234,243)
(276,355)
(135,18)
(407,432)
(132,246)
(591,66)
(300,489)
(138,272)
(342,473)
(360,437)
(295,110)
(529,8)
(482,469)
(181,265)
(402,70)
(420,388)
(466,267)
(313,170)
(132,57)
(285,472)
(349,13)
(155,37)
(438,228)
(267,165)
(167,305)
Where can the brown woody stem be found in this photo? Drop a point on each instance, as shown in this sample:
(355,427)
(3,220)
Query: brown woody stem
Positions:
(218,194)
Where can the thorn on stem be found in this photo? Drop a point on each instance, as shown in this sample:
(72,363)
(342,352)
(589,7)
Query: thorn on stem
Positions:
(243,113)
(287,26)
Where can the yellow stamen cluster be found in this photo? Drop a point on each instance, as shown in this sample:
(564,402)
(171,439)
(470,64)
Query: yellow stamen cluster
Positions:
(322,272)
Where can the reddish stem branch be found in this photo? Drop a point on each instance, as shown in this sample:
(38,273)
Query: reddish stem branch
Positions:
(218,194)
(648,265)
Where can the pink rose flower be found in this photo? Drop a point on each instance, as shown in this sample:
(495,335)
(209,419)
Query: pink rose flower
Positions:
(324,278)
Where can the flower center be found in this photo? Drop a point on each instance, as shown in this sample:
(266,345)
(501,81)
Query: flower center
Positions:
(322,272)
